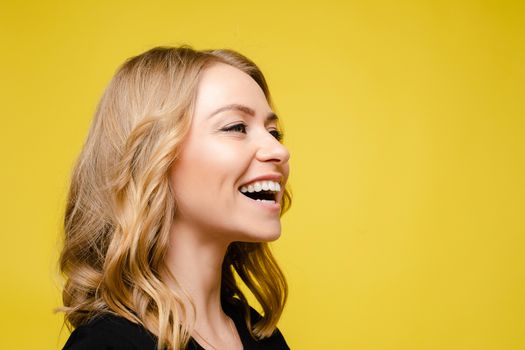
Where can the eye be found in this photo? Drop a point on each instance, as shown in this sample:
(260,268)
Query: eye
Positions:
(277,134)
(236,128)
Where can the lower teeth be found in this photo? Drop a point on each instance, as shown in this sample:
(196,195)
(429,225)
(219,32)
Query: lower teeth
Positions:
(265,200)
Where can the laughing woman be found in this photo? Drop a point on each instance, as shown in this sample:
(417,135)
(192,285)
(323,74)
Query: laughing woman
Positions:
(180,184)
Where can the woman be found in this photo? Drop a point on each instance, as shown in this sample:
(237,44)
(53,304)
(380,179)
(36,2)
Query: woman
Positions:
(180,184)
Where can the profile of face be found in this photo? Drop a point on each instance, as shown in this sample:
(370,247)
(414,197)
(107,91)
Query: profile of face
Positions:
(229,178)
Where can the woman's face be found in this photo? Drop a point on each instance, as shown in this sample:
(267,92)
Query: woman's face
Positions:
(232,147)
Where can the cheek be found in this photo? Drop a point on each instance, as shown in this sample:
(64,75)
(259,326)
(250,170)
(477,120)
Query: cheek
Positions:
(208,166)
(286,170)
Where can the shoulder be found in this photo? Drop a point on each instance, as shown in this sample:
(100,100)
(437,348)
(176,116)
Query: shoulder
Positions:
(275,342)
(110,332)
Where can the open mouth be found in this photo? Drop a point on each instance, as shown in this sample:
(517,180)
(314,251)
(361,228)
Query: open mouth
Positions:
(263,195)
(261,190)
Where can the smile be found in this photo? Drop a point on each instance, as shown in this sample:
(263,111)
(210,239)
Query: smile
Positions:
(264,191)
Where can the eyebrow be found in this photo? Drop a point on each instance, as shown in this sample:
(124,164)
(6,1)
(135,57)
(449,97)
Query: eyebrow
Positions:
(244,109)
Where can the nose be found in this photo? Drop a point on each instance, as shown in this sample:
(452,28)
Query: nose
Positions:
(271,150)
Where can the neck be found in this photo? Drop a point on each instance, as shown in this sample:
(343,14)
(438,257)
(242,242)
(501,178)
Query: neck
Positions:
(195,260)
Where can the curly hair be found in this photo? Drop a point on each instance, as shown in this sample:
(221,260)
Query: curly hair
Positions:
(120,205)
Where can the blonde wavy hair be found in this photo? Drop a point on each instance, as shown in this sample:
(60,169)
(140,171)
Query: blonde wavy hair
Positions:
(120,205)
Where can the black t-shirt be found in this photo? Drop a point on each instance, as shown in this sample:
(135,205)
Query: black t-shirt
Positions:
(110,332)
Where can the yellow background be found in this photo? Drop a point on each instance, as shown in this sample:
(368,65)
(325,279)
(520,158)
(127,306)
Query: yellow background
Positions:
(406,124)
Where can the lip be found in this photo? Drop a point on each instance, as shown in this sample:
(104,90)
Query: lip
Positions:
(272,207)
(273,177)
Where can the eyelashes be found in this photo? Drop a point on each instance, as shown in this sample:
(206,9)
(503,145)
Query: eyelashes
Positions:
(236,128)
(241,127)
(277,134)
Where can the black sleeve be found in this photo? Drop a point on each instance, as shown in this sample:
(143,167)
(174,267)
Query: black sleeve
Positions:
(87,338)
(276,340)
(110,333)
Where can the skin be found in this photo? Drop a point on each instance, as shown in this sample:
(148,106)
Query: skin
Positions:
(211,212)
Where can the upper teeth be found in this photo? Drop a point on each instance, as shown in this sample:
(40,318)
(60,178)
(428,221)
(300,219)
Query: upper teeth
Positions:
(259,186)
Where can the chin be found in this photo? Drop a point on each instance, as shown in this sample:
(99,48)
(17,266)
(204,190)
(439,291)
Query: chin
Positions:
(266,236)
(271,238)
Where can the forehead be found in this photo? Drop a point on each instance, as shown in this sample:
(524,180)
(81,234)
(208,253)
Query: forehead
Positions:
(221,85)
